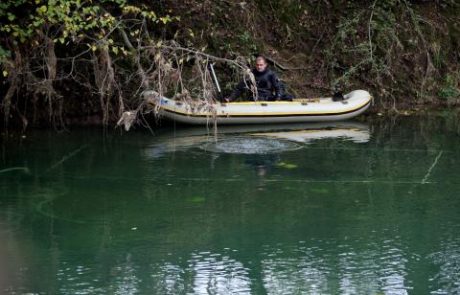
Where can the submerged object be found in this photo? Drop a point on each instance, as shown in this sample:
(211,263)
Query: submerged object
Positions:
(261,112)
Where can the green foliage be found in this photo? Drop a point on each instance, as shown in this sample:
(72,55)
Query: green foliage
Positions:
(290,19)
(4,54)
(66,21)
(450,90)
(247,42)
(47,42)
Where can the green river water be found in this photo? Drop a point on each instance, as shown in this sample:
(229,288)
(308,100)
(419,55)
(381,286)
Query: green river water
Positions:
(345,208)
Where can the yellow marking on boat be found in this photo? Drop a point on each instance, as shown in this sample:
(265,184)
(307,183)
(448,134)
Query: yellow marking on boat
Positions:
(295,101)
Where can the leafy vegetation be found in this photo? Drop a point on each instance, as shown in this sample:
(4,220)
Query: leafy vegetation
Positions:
(48,44)
(450,90)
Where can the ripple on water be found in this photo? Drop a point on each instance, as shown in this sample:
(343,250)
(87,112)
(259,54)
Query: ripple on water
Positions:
(447,260)
(343,269)
(205,273)
(251,145)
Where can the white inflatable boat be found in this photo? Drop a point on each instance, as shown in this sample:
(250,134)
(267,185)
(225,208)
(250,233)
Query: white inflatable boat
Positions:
(262,112)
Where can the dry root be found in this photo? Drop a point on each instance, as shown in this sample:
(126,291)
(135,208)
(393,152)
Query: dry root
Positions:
(127,119)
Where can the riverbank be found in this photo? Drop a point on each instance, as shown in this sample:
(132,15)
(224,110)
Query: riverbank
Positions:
(406,53)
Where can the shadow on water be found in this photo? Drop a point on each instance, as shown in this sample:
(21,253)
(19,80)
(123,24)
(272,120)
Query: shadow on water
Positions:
(311,209)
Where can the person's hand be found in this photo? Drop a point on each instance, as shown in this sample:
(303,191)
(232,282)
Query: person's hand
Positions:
(226,99)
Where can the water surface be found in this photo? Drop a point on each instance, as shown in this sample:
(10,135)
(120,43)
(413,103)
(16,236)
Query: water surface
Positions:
(351,208)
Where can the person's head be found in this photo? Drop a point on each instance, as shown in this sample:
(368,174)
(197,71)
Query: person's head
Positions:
(261,63)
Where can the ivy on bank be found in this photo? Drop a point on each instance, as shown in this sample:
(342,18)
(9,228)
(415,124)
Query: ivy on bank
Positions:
(23,22)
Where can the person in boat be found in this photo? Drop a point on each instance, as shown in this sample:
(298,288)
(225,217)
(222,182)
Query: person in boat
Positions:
(269,87)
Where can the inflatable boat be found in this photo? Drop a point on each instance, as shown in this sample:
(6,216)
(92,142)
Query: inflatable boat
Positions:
(261,112)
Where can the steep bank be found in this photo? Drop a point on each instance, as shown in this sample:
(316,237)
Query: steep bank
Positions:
(405,52)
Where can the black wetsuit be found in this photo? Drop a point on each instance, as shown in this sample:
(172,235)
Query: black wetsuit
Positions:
(268,86)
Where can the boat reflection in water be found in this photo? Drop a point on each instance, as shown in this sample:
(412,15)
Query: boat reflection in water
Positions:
(253,139)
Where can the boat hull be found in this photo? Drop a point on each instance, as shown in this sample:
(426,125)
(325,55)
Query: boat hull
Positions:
(276,112)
